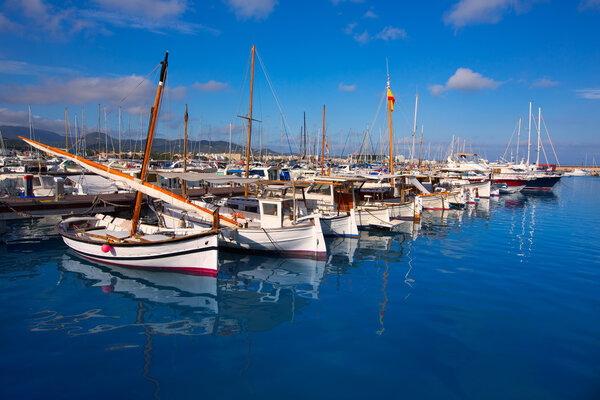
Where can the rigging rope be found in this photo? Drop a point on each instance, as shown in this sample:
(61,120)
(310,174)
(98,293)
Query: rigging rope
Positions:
(286,125)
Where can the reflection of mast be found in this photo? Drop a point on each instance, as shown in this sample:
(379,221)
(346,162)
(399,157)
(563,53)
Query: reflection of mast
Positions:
(385,298)
(147,349)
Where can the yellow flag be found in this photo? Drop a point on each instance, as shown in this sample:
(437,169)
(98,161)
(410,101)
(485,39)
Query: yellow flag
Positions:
(391,99)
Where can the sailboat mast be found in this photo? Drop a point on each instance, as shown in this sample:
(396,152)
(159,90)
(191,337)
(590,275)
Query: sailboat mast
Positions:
(120,156)
(529,136)
(518,138)
(412,152)
(138,199)
(323,143)
(421,146)
(249,122)
(391,139)
(184,182)
(539,126)
(66,132)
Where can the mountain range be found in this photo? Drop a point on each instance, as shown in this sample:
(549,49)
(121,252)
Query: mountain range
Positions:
(100,142)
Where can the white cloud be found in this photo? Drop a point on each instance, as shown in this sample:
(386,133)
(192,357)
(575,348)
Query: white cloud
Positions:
(362,38)
(387,33)
(23,68)
(371,14)
(336,2)
(7,25)
(346,88)
(591,94)
(86,90)
(149,24)
(586,5)
(465,79)
(391,33)
(248,9)
(156,16)
(543,83)
(470,12)
(210,86)
(148,8)
(350,28)
(21,118)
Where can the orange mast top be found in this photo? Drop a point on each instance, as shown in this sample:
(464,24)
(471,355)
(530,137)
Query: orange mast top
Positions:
(138,200)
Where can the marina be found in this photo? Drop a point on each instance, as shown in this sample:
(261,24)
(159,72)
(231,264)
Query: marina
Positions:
(468,303)
(262,199)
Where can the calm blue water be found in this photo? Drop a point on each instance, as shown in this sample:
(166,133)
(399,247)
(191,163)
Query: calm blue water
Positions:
(500,301)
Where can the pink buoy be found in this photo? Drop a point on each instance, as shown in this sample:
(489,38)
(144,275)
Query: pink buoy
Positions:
(106,248)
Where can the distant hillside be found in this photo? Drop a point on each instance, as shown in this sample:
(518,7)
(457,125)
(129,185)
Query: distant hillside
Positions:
(98,142)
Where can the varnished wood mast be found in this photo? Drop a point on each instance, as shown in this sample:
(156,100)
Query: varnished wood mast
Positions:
(249,122)
(183,181)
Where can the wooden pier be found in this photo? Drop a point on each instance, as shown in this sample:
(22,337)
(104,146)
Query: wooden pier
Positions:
(31,207)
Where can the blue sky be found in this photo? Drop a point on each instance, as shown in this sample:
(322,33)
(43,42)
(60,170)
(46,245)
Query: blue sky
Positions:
(475,64)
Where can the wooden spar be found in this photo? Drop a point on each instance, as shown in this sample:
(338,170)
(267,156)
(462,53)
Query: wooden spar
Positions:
(323,142)
(183,181)
(249,122)
(136,184)
(66,132)
(138,200)
(391,139)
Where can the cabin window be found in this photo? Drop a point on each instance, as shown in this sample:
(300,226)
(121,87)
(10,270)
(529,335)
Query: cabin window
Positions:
(252,209)
(269,209)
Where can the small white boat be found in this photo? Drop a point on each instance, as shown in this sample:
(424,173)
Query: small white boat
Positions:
(102,239)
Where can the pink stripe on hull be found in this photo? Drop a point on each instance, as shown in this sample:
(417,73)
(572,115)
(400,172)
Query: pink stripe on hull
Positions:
(190,270)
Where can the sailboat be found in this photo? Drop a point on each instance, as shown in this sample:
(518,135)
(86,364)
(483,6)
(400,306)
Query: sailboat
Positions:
(268,225)
(126,242)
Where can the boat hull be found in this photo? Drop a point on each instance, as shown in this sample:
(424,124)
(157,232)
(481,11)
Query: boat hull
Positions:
(196,253)
(435,201)
(301,240)
(339,225)
(542,183)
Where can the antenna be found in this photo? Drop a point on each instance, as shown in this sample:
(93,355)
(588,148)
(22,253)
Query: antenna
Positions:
(387,69)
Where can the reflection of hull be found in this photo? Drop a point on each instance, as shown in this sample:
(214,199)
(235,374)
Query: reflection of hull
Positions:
(510,189)
(369,241)
(342,247)
(198,292)
(304,276)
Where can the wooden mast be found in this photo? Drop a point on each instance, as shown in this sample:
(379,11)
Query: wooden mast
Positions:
(323,142)
(185,140)
(66,132)
(390,105)
(249,123)
(138,199)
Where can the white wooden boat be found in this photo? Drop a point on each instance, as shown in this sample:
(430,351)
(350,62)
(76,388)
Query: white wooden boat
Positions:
(127,243)
(271,230)
(103,240)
